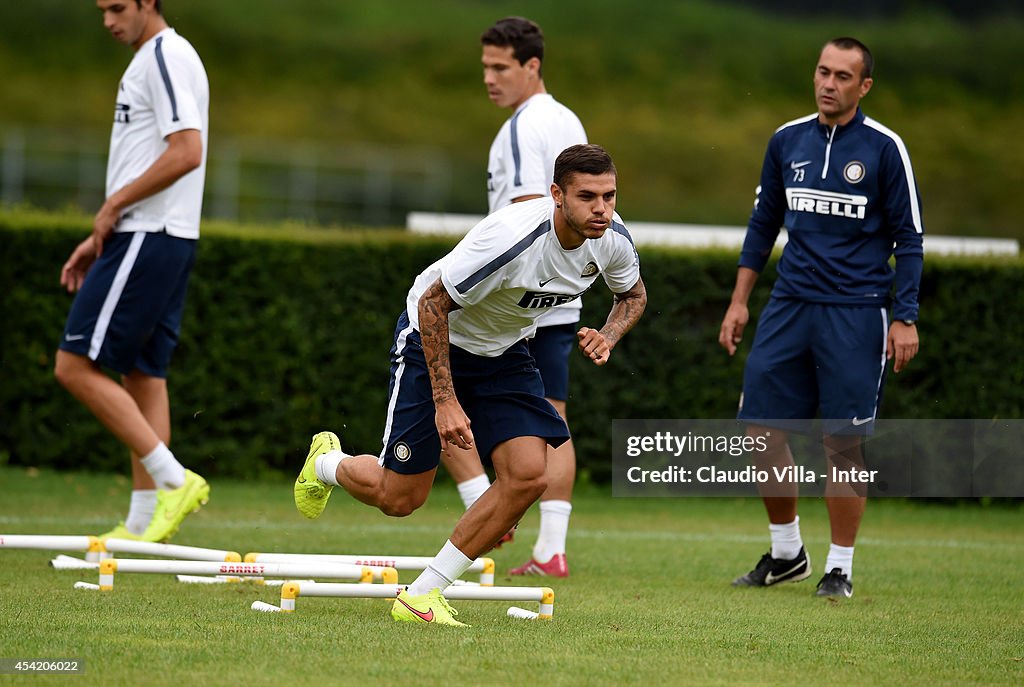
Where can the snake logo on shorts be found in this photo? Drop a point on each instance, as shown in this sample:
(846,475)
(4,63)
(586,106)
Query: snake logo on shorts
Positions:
(402,452)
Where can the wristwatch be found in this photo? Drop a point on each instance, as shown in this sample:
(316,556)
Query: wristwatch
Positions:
(909,323)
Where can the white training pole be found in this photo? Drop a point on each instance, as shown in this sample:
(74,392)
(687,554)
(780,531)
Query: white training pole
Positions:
(86,585)
(206,579)
(522,613)
(227,579)
(47,542)
(62,562)
(55,542)
(189,553)
(542,595)
(265,607)
(281,583)
(484,566)
(330,570)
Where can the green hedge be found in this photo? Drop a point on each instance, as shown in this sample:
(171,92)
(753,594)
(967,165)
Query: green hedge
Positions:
(287,332)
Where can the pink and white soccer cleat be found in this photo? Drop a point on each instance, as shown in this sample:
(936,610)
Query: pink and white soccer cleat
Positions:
(556,567)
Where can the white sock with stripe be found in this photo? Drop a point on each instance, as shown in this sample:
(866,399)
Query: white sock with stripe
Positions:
(164,468)
(447,566)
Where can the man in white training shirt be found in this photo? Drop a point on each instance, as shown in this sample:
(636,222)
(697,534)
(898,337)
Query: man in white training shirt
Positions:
(132,272)
(462,374)
(519,168)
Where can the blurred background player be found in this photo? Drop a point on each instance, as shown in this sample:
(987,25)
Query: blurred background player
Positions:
(132,272)
(520,167)
(462,374)
(843,186)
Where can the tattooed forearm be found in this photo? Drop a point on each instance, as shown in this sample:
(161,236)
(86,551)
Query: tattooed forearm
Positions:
(626,310)
(434,306)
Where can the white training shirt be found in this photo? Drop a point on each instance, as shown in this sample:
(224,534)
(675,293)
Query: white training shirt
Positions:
(522,163)
(510,269)
(163,91)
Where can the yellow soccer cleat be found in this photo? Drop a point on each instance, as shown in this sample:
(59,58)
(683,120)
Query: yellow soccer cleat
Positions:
(428,608)
(120,532)
(173,505)
(310,493)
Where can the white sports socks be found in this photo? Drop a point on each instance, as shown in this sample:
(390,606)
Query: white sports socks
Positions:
(164,468)
(140,512)
(473,488)
(327,466)
(786,541)
(554,526)
(447,566)
(840,557)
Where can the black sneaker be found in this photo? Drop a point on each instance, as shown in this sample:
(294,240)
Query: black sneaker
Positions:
(771,571)
(835,583)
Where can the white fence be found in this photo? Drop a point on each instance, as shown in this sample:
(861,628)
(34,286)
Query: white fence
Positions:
(704,236)
(247,179)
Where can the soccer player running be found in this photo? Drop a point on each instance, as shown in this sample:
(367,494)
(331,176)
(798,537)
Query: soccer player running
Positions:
(520,167)
(131,273)
(462,374)
(843,186)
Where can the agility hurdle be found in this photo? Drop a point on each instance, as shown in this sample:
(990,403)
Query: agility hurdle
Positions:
(93,546)
(227,579)
(188,553)
(145,548)
(97,549)
(292,590)
(484,566)
(337,571)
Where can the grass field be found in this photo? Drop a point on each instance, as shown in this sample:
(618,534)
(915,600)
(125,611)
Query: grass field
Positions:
(938,598)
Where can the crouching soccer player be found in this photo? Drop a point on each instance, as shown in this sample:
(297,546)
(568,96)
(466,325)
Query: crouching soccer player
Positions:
(462,373)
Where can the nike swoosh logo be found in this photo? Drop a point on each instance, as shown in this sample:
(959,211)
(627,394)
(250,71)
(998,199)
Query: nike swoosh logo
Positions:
(425,617)
(798,165)
(857,422)
(171,514)
(302,480)
(770,579)
(73,337)
(545,281)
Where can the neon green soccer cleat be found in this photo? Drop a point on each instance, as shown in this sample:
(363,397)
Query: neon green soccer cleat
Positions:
(310,493)
(173,505)
(120,532)
(428,608)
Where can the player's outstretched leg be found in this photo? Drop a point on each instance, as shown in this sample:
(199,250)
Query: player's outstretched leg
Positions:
(311,493)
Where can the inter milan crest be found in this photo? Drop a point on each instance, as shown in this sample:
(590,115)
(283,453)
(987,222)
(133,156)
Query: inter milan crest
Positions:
(402,452)
(590,270)
(854,171)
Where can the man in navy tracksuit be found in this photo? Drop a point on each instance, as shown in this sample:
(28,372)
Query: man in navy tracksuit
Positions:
(843,186)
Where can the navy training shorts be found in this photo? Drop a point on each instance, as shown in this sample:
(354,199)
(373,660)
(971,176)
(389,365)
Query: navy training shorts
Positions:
(550,348)
(816,360)
(502,396)
(127,314)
